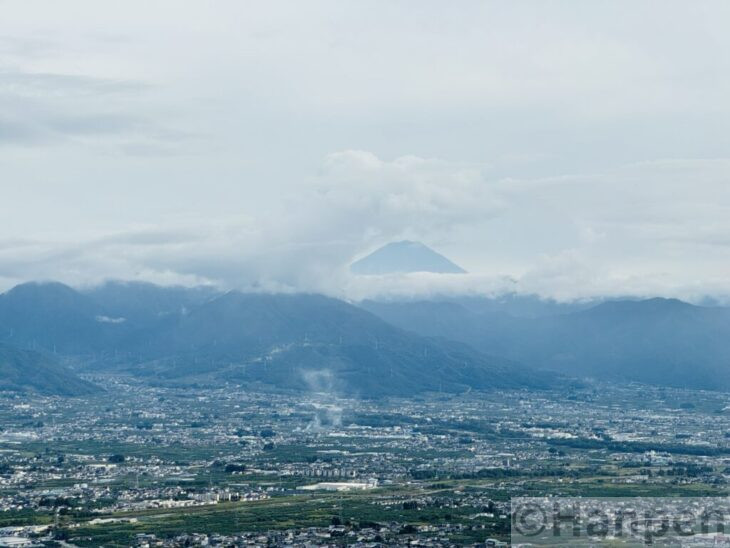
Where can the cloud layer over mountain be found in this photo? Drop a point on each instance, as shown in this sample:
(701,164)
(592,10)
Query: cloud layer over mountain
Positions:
(569,151)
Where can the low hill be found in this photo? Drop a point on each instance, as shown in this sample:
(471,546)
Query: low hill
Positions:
(25,370)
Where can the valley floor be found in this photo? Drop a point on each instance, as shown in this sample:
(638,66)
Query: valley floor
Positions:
(160,466)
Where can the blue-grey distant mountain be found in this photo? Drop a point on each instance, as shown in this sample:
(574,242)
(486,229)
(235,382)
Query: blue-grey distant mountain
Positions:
(93,323)
(404,257)
(315,342)
(53,317)
(395,348)
(145,303)
(28,371)
(307,342)
(521,306)
(656,341)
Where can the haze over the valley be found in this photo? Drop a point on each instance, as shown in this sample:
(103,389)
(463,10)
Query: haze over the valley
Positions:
(571,150)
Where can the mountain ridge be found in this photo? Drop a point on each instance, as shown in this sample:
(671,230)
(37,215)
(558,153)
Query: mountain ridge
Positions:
(280,339)
(655,341)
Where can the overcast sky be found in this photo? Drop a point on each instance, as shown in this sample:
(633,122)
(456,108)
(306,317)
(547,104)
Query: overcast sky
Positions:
(567,148)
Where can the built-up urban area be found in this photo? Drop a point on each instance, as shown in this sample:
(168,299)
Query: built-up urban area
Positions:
(138,465)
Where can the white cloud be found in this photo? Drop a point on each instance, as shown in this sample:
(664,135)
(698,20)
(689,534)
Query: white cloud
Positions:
(407,195)
(651,228)
(572,148)
(358,201)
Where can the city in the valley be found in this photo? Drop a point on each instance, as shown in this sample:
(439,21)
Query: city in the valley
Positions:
(138,465)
